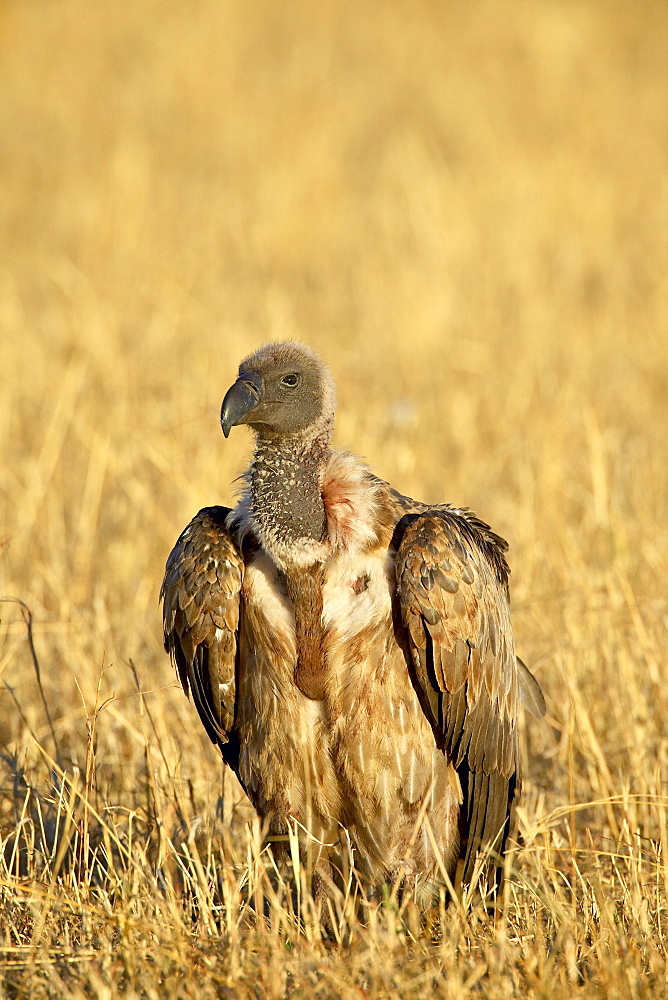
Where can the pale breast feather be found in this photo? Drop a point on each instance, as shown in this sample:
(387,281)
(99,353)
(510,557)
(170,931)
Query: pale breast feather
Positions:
(357,592)
(269,628)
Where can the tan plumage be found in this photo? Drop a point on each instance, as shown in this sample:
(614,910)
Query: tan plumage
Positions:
(347,648)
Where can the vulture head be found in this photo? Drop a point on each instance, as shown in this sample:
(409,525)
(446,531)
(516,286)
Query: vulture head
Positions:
(283,389)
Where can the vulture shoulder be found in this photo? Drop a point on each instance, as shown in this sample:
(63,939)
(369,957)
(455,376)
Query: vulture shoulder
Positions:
(452,580)
(201,595)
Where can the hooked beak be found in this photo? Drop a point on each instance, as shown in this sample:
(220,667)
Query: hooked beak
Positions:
(240,400)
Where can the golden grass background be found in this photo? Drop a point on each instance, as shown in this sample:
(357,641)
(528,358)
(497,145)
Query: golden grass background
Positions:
(464,208)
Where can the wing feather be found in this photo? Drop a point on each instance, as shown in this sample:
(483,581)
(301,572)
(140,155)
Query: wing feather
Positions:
(200,605)
(452,580)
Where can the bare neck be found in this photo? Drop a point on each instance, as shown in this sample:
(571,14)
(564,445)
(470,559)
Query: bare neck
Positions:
(286,501)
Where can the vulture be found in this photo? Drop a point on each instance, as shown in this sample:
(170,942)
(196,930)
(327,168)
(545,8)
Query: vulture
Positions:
(349,650)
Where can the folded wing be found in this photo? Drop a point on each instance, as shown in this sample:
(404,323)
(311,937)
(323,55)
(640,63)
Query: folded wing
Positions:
(200,595)
(452,580)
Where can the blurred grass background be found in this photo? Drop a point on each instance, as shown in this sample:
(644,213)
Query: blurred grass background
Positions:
(464,208)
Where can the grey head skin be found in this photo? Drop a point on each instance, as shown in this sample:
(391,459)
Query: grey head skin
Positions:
(283,390)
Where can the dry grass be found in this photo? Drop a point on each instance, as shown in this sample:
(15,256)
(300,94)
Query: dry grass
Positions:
(464,207)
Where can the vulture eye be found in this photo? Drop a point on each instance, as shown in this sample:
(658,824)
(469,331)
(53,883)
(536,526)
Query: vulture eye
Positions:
(290,381)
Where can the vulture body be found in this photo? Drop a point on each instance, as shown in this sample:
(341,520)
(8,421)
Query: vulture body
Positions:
(348,649)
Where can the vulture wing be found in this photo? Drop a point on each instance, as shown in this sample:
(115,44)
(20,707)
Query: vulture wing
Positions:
(200,595)
(452,580)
